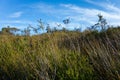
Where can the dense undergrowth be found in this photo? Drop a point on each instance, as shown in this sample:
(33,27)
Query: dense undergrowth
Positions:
(88,55)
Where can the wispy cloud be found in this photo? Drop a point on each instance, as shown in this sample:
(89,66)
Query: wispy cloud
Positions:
(16,14)
(21,24)
(108,5)
(50,9)
(17,22)
(110,11)
(79,15)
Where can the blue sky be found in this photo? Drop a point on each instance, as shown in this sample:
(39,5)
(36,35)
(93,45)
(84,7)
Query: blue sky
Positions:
(82,13)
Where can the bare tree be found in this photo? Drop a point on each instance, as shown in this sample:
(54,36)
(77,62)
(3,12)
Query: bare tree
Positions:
(41,25)
(100,24)
(26,31)
(34,29)
(48,28)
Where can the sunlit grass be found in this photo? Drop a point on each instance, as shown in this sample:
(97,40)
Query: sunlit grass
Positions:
(61,56)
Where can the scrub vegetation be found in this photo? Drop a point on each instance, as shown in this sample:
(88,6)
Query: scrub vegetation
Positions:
(92,54)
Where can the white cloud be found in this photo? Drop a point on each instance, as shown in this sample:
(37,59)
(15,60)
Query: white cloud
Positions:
(20,24)
(111,11)
(78,15)
(17,22)
(16,14)
(70,26)
(108,5)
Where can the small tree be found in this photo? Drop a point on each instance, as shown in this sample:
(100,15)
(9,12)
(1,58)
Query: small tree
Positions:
(34,29)
(41,25)
(100,24)
(66,22)
(48,28)
(6,30)
(9,30)
(26,31)
(64,29)
(55,29)
(77,29)
(14,30)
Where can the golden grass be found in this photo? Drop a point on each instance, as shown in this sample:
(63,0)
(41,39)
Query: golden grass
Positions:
(61,56)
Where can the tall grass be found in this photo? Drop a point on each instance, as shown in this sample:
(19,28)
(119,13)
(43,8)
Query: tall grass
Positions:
(61,56)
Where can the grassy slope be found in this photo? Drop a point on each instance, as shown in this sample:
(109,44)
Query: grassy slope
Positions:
(61,56)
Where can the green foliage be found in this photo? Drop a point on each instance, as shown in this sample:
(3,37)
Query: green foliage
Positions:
(89,55)
(9,31)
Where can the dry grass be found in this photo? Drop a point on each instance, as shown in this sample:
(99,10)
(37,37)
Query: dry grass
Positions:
(61,56)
